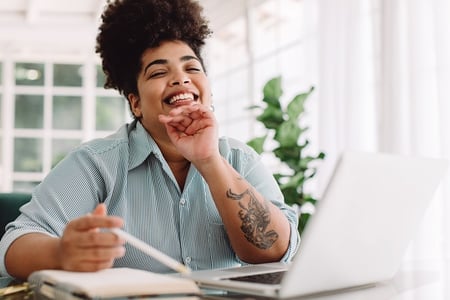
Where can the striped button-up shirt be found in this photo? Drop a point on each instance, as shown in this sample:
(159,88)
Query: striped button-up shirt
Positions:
(128,172)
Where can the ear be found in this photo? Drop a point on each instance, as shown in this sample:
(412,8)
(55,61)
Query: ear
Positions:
(135,105)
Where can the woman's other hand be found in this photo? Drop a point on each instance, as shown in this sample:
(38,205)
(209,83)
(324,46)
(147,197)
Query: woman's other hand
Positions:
(85,247)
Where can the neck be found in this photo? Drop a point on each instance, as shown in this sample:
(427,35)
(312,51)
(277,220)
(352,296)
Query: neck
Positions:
(177,163)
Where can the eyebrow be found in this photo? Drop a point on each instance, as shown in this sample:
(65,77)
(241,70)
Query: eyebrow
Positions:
(165,61)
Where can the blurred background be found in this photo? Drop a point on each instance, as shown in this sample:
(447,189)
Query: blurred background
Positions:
(380,69)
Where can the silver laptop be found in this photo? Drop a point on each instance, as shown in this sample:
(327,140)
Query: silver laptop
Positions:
(361,229)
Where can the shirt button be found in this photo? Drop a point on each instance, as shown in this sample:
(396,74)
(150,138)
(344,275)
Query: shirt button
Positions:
(187,260)
(182,201)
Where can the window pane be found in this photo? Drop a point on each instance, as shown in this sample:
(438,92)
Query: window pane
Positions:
(27,155)
(101,78)
(61,147)
(229,49)
(110,113)
(24,186)
(29,111)
(67,112)
(29,74)
(67,75)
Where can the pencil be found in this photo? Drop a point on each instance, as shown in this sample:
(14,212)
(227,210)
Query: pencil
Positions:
(149,250)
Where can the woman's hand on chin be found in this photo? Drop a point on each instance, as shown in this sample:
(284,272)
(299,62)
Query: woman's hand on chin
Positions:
(193,131)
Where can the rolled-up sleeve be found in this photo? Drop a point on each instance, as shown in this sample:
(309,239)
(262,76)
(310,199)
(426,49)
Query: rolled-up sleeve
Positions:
(56,201)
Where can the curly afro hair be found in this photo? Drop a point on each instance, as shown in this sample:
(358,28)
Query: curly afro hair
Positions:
(129,27)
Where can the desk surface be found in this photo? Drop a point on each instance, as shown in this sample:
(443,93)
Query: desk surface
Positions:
(421,280)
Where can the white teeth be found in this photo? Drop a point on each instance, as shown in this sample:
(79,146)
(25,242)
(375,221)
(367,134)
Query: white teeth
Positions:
(184,96)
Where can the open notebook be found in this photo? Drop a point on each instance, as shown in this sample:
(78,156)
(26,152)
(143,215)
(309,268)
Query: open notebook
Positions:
(110,283)
(368,215)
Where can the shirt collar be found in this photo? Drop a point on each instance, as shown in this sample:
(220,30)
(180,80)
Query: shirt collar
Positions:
(141,145)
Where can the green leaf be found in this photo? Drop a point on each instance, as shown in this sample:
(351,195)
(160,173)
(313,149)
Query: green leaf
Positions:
(272,91)
(302,221)
(292,145)
(290,195)
(287,154)
(309,198)
(257,143)
(254,106)
(294,181)
(321,155)
(271,117)
(311,172)
(287,133)
(304,162)
(297,105)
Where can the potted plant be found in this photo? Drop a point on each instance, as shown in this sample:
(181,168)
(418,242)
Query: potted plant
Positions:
(283,126)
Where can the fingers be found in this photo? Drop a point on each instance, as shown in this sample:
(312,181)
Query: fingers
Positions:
(93,238)
(86,243)
(90,250)
(188,120)
(180,123)
(92,259)
(100,210)
(85,231)
(98,219)
(92,222)
(85,247)
(192,112)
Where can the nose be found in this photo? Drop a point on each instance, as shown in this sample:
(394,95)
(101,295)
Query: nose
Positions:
(180,80)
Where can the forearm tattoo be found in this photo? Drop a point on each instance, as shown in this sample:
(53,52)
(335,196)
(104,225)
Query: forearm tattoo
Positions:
(255,219)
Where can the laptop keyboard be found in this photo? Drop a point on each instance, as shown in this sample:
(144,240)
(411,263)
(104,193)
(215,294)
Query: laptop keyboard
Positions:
(266,278)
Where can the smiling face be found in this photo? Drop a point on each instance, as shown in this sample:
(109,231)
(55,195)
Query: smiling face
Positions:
(171,75)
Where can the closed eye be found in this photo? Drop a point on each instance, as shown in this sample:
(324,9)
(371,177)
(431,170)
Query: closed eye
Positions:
(193,69)
(157,74)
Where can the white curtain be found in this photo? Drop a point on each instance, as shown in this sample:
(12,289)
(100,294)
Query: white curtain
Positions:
(384,85)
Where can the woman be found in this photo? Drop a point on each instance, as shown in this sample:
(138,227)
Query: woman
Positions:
(166,178)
